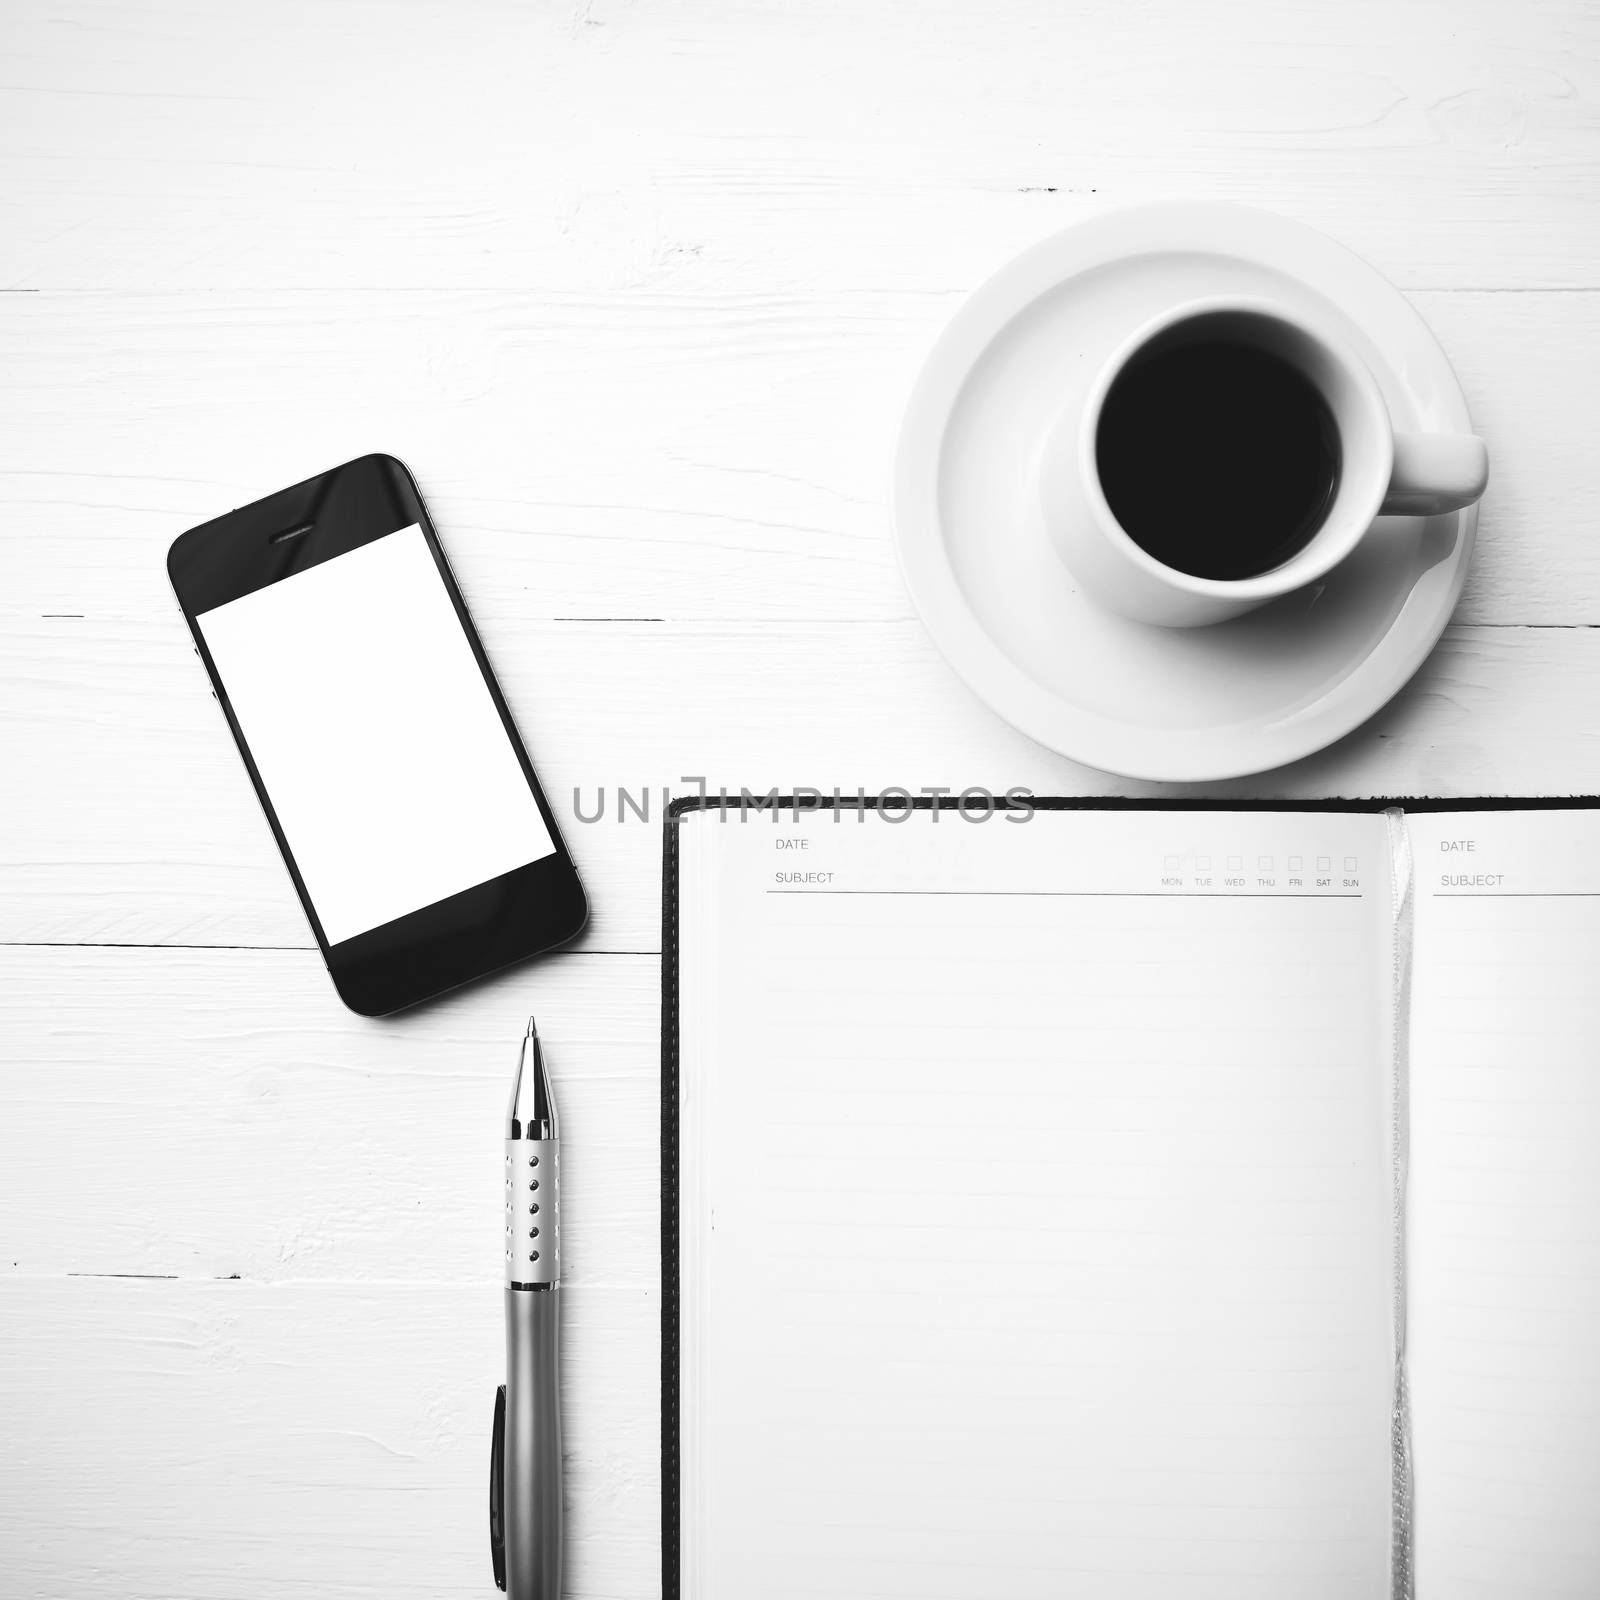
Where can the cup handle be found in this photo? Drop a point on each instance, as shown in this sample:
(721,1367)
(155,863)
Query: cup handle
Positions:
(1435,472)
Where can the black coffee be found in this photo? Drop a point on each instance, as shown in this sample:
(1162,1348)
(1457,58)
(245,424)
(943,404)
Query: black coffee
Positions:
(1218,458)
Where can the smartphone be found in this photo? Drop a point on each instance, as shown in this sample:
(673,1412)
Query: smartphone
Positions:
(380,746)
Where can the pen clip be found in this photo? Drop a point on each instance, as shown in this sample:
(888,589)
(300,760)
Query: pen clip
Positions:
(497,1489)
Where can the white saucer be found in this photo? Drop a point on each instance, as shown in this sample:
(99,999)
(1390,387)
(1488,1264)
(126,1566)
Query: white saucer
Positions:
(1176,704)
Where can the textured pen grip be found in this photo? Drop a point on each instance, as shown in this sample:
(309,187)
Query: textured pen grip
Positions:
(533,1211)
(533,1508)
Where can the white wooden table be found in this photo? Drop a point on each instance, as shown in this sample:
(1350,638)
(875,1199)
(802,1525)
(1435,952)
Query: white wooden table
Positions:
(637,291)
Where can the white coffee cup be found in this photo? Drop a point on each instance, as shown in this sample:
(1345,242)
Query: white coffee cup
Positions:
(1381,472)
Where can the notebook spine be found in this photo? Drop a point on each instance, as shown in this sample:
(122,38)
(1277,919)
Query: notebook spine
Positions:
(1400,1556)
(671,1567)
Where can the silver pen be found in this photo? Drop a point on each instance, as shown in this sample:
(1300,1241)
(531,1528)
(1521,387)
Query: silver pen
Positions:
(525,1510)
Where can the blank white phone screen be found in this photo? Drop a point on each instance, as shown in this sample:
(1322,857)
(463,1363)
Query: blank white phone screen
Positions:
(375,734)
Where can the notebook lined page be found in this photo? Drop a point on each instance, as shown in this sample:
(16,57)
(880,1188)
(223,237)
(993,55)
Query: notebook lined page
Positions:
(1504,1234)
(1035,1206)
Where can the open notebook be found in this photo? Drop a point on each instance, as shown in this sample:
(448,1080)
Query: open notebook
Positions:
(1133,1200)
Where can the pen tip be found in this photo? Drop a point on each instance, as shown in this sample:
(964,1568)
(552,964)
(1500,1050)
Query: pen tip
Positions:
(533,1032)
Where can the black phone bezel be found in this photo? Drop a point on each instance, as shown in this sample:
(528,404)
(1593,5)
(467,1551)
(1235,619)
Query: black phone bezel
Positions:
(491,925)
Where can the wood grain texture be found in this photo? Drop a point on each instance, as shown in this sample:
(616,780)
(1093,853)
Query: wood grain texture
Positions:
(250,1319)
(686,456)
(230,1119)
(899,146)
(204,1440)
(133,821)
(638,291)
